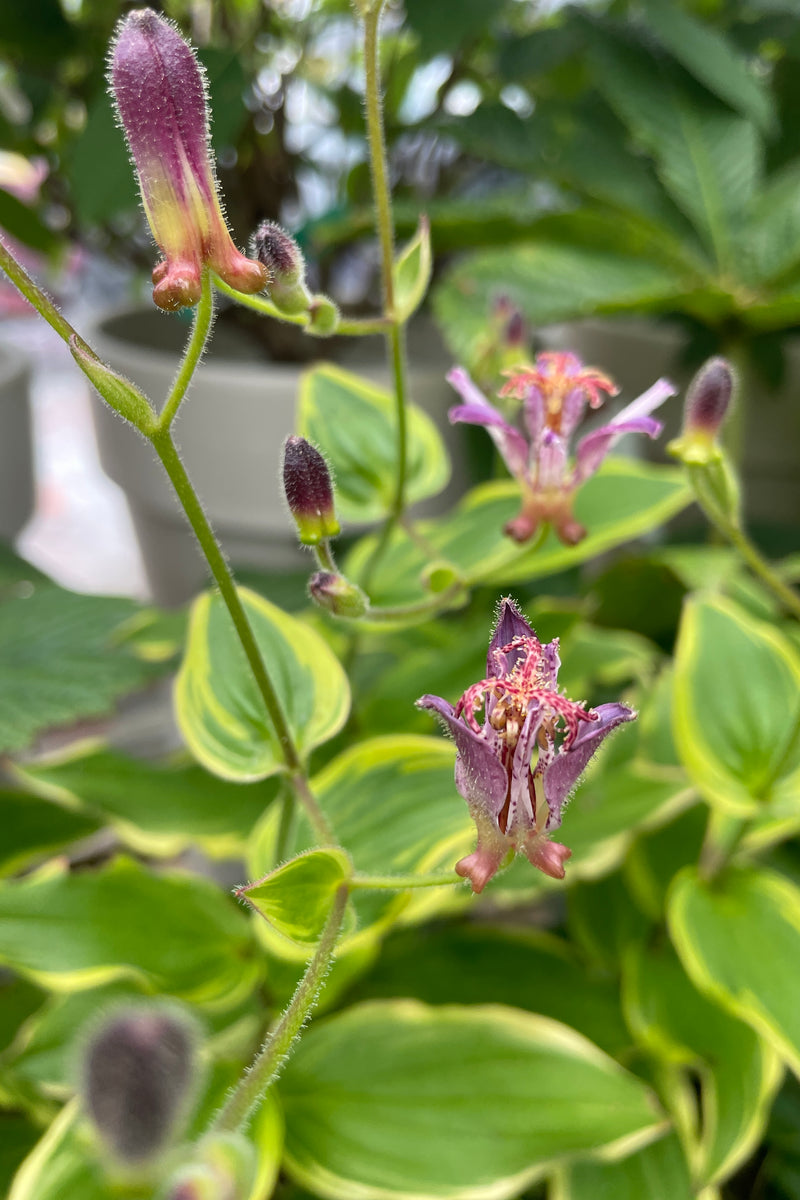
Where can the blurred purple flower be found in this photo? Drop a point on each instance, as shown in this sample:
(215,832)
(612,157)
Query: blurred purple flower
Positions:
(518,768)
(554,393)
(160,94)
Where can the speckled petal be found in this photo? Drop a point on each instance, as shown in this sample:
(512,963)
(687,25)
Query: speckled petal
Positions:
(563,774)
(480,776)
(510,624)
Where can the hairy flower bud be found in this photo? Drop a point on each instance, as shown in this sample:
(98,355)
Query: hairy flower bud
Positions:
(707,403)
(280,254)
(137,1078)
(323,316)
(224,1170)
(160,94)
(338,595)
(309,491)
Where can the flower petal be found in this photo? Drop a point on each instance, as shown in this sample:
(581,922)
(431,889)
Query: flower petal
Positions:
(510,625)
(478,411)
(480,776)
(634,418)
(562,776)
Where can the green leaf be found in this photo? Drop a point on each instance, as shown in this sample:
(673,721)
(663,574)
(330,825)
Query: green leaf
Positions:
(659,1172)
(738,938)
(156,808)
(399,1100)
(655,858)
(771,238)
(296,898)
(17,1137)
(739,1073)
(354,423)
(528,969)
(22,223)
(623,500)
(59,660)
(709,160)
(219,709)
(711,58)
(393,806)
(60,1165)
(34,829)
(603,920)
(736,712)
(172,932)
(548,282)
(447,24)
(412,272)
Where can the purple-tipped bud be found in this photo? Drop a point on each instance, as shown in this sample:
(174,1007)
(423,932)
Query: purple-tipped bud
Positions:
(160,94)
(707,403)
(138,1078)
(338,595)
(282,258)
(309,491)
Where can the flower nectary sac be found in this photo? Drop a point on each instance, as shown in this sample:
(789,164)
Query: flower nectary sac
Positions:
(160,95)
(554,394)
(518,765)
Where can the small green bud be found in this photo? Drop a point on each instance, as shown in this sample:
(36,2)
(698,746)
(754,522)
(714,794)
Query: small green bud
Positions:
(437,577)
(280,254)
(338,595)
(323,316)
(708,400)
(309,491)
(224,1169)
(117,391)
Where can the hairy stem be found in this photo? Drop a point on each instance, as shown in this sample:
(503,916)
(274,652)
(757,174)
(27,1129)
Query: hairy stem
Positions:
(268,1062)
(203,321)
(402,883)
(759,565)
(349,327)
(167,452)
(34,294)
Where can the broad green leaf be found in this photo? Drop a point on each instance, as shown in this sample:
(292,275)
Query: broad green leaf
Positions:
(34,828)
(412,272)
(709,159)
(172,932)
(17,1138)
(658,1172)
(59,659)
(157,808)
(771,237)
(623,500)
(443,26)
(469,964)
(711,59)
(219,709)
(738,938)
(354,423)
(739,1073)
(549,282)
(398,1100)
(736,711)
(603,920)
(296,898)
(393,807)
(656,857)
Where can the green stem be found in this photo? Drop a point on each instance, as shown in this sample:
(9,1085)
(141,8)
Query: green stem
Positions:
(422,608)
(723,836)
(34,294)
(251,1087)
(203,320)
(324,556)
(349,327)
(395,339)
(167,452)
(786,595)
(402,883)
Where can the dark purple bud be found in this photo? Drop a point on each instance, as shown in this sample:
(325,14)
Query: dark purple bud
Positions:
(338,595)
(309,491)
(515,330)
(277,250)
(707,403)
(138,1077)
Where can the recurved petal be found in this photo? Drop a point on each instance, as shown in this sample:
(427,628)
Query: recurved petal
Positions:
(562,776)
(595,446)
(477,410)
(480,776)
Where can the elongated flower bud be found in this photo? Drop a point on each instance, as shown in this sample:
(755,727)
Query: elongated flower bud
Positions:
(338,595)
(309,491)
(160,95)
(138,1077)
(282,258)
(707,403)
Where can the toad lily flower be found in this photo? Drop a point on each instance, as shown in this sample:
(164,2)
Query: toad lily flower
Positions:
(554,393)
(160,95)
(517,769)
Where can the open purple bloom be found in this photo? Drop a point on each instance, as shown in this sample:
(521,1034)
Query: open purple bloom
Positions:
(517,768)
(554,394)
(160,94)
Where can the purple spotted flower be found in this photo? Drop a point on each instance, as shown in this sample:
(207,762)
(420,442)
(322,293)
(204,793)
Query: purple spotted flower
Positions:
(518,767)
(160,94)
(554,393)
